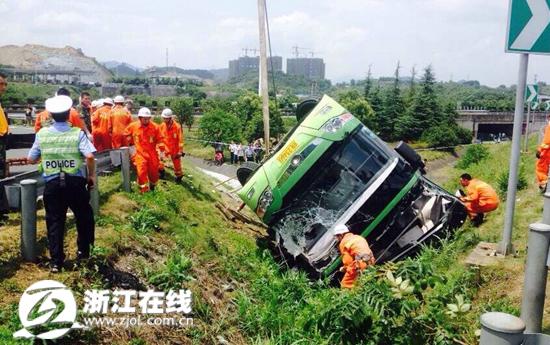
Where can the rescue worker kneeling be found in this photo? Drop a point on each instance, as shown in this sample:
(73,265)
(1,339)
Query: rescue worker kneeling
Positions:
(480,198)
(145,135)
(62,149)
(356,254)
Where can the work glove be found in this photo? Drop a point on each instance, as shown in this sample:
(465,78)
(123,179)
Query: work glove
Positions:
(537,154)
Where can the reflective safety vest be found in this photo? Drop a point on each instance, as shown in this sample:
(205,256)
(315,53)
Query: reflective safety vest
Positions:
(60,151)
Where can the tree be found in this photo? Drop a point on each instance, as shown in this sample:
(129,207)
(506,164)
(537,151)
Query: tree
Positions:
(368,85)
(183,108)
(358,106)
(375,99)
(219,126)
(424,112)
(254,129)
(409,98)
(392,109)
(247,106)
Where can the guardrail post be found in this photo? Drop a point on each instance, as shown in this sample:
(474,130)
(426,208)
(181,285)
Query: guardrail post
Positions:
(534,291)
(125,168)
(546,209)
(501,329)
(28,220)
(94,195)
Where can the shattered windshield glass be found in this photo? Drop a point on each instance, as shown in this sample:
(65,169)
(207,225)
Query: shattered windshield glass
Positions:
(336,180)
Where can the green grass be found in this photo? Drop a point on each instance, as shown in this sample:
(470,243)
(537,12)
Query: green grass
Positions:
(243,295)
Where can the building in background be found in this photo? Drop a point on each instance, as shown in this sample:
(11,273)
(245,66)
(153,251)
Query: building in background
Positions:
(246,64)
(312,68)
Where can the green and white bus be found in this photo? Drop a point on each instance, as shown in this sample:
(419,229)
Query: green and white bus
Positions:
(332,169)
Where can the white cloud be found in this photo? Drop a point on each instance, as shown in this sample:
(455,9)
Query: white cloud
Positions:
(463,38)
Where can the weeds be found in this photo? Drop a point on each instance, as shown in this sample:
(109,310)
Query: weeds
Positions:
(145,220)
(175,272)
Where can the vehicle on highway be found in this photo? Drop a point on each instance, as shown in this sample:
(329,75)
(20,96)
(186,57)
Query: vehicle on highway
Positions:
(332,169)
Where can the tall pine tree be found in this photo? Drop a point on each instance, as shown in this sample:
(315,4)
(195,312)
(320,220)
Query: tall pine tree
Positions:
(368,85)
(424,111)
(392,109)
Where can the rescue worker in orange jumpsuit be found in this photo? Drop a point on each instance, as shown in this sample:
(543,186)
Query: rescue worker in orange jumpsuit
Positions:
(44,118)
(480,198)
(145,135)
(102,126)
(543,157)
(120,119)
(172,144)
(356,254)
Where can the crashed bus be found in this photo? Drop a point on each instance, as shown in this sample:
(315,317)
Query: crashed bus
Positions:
(331,169)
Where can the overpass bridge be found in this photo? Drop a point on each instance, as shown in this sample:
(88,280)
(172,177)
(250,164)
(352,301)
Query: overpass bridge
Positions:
(483,123)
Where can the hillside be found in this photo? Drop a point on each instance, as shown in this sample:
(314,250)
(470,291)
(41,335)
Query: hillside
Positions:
(37,57)
(173,72)
(123,69)
(177,237)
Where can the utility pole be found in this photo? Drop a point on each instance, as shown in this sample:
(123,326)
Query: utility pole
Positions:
(263,71)
(166,57)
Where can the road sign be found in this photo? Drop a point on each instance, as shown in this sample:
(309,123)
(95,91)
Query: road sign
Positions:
(547,105)
(528,27)
(532,93)
(535,105)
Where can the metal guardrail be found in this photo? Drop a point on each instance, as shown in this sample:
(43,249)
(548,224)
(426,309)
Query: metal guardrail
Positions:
(12,185)
(505,329)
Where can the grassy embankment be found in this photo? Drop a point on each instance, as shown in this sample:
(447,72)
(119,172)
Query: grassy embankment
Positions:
(176,238)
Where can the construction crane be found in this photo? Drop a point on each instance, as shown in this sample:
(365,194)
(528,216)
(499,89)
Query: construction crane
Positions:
(253,50)
(296,51)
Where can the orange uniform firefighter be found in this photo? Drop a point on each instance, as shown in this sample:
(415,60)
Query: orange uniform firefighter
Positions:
(145,135)
(543,155)
(102,126)
(480,198)
(172,144)
(356,254)
(120,119)
(44,118)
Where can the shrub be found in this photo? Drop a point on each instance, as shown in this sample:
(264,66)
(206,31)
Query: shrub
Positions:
(441,136)
(464,135)
(473,155)
(502,181)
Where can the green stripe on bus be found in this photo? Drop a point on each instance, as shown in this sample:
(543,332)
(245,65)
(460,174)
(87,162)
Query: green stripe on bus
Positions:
(378,219)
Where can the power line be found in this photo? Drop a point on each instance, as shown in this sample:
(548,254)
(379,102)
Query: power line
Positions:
(270,54)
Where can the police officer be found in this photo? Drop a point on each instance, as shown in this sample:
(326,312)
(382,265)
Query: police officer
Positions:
(63,150)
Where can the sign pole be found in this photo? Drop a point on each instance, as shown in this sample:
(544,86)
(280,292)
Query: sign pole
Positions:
(526,149)
(505,247)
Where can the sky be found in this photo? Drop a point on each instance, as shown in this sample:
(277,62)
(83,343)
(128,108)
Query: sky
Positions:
(461,39)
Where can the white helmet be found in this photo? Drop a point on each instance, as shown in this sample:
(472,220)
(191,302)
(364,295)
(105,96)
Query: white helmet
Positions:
(340,229)
(144,112)
(108,101)
(119,99)
(59,104)
(95,104)
(167,113)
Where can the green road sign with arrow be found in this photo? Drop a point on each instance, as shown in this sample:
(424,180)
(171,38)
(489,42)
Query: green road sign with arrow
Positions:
(528,27)
(532,93)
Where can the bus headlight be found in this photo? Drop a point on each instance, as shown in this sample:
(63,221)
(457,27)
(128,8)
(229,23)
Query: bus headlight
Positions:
(265,201)
(333,125)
